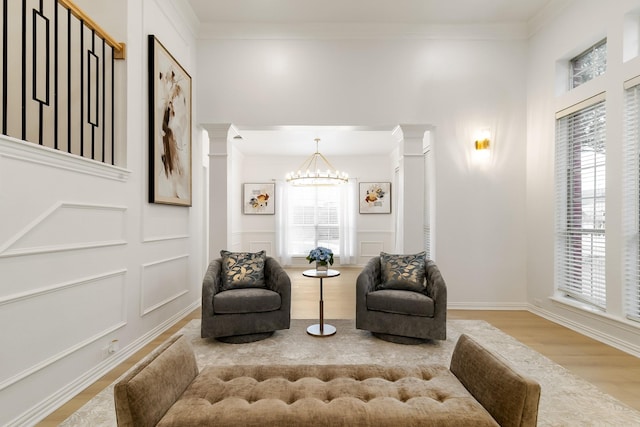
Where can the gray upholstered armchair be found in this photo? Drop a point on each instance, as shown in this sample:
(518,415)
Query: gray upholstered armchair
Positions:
(401,315)
(245,314)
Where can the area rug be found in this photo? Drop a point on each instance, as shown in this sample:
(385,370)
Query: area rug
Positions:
(566,400)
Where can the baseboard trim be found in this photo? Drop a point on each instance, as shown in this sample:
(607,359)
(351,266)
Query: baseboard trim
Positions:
(38,412)
(487,306)
(622,345)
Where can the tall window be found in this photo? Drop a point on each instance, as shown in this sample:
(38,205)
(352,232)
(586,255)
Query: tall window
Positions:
(631,198)
(427,202)
(589,64)
(580,201)
(313,219)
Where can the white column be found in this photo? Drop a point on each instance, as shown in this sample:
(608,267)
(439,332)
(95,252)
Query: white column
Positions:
(219,220)
(411,187)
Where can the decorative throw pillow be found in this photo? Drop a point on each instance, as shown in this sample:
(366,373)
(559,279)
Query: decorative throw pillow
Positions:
(404,272)
(242,269)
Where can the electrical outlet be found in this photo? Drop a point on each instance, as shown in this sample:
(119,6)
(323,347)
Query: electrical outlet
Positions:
(537,302)
(113,347)
(105,351)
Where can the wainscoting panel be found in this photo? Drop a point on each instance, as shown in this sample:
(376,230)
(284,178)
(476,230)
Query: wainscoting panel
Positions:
(371,249)
(371,243)
(261,246)
(162,282)
(163,222)
(236,244)
(257,240)
(69,226)
(51,323)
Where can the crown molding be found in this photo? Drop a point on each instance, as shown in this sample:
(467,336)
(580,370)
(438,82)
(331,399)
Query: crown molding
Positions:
(546,15)
(181,9)
(337,31)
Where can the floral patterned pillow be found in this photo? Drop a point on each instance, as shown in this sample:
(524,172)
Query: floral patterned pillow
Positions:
(242,269)
(403,272)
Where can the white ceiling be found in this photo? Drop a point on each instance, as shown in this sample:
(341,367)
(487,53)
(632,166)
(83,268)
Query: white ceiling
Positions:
(300,140)
(343,140)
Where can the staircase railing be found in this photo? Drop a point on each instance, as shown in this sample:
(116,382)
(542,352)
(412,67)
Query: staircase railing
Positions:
(58,78)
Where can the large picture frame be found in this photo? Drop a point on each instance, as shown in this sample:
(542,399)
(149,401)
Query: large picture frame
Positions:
(259,199)
(169,128)
(375,198)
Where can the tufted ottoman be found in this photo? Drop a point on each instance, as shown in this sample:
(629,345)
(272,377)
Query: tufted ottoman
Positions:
(169,391)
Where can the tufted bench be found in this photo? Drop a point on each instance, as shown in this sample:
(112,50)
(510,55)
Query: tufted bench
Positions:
(477,390)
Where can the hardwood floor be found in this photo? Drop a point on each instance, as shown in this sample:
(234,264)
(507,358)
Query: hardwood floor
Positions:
(611,370)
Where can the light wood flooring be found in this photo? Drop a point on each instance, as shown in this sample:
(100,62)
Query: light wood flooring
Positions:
(611,370)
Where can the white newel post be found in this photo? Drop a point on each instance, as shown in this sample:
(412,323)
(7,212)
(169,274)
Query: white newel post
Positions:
(411,187)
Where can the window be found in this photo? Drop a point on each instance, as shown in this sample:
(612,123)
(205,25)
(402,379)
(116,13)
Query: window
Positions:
(631,197)
(580,201)
(313,219)
(589,64)
(427,203)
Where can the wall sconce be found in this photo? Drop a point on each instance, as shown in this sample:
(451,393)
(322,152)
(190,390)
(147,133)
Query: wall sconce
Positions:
(483,140)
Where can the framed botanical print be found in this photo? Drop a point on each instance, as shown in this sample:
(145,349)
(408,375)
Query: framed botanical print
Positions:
(375,197)
(169,128)
(259,199)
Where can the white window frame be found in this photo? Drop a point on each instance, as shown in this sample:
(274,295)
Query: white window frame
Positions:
(580,223)
(631,195)
(596,64)
(307,230)
(427,234)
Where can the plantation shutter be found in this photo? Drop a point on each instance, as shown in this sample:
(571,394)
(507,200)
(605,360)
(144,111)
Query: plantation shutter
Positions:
(580,201)
(631,197)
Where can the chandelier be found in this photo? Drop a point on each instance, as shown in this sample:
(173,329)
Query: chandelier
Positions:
(317,170)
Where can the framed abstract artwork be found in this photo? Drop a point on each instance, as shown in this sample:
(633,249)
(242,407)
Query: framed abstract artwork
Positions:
(259,199)
(375,197)
(169,128)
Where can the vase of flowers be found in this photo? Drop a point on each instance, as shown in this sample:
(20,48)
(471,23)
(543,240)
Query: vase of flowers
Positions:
(323,257)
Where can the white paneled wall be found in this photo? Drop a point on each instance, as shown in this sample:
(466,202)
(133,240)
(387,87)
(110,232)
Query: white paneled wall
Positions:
(63,267)
(84,258)
(163,281)
(370,244)
(70,226)
(371,248)
(38,314)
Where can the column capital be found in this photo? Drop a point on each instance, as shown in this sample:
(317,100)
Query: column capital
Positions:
(410,131)
(220,130)
(411,138)
(219,136)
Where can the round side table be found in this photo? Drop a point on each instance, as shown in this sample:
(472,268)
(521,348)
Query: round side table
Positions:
(321,329)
